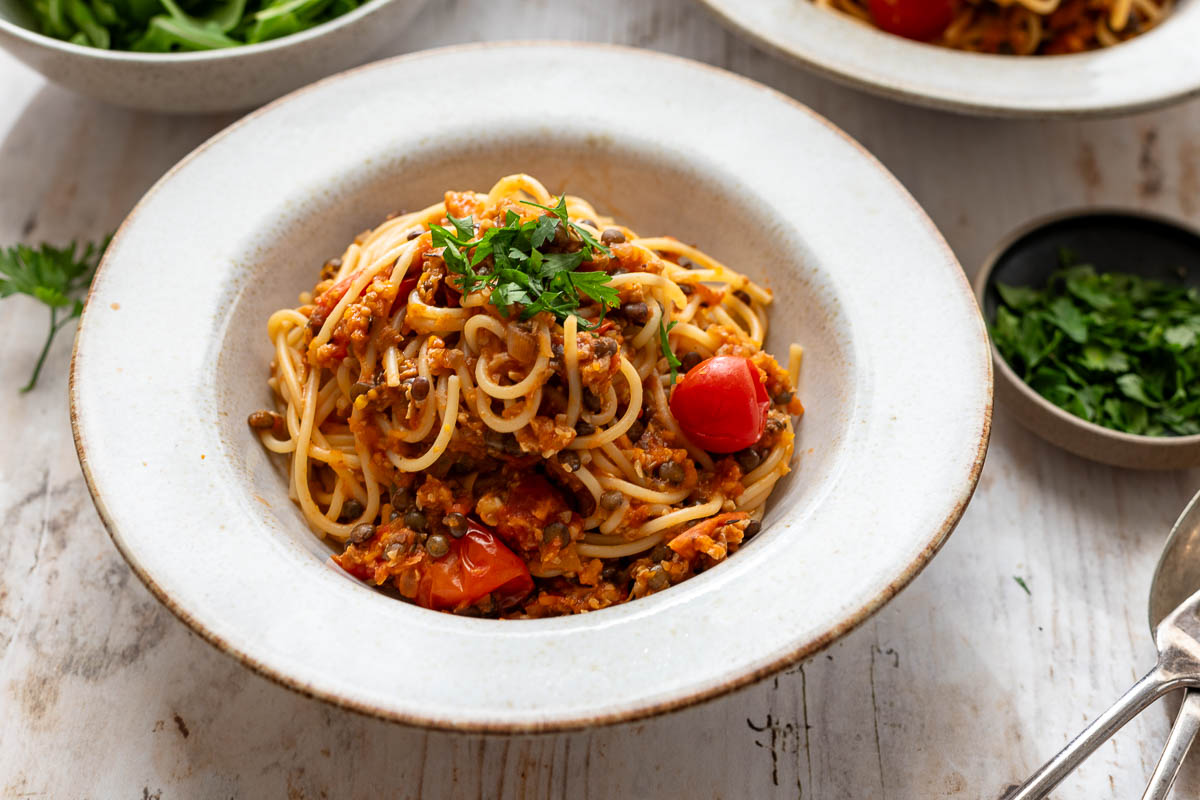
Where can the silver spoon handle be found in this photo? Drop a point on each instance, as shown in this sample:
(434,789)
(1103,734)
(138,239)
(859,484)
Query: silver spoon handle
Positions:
(1139,696)
(1182,733)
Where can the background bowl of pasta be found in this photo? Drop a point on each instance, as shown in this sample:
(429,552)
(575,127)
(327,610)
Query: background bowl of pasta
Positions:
(885,458)
(1024,58)
(182,64)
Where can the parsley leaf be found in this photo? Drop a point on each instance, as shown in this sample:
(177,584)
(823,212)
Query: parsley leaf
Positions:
(53,276)
(521,274)
(1117,350)
(663,329)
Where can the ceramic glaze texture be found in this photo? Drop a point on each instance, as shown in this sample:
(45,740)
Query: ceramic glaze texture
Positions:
(888,453)
(1158,67)
(213,80)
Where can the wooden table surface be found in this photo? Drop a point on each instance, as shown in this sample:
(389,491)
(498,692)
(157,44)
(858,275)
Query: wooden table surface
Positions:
(958,688)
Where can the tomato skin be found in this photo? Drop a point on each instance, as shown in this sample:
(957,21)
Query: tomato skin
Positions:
(722,404)
(913,19)
(477,564)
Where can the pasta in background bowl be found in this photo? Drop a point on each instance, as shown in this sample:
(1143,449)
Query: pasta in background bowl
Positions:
(885,459)
(1094,57)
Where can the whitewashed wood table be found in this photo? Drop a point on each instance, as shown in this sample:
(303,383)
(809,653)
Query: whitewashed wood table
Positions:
(958,688)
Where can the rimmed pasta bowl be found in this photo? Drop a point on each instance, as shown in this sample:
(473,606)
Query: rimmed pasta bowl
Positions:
(886,455)
(1152,69)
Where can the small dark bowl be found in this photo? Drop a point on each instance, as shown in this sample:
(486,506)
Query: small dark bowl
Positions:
(1114,241)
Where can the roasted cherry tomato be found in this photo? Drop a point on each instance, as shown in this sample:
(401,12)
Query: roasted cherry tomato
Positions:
(477,564)
(913,19)
(721,404)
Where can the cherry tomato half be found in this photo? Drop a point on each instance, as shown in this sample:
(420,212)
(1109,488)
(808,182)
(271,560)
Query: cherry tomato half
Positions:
(721,404)
(477,564)
(913,19)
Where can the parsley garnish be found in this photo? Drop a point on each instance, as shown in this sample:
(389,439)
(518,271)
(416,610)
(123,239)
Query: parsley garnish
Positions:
(1114,349)
(663,329)
(1021,582)
(53,276)
(520,274)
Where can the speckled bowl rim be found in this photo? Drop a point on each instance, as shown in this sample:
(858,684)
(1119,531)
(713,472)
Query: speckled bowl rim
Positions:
(1010,378)
(71,50)
(905,74)
(936,538)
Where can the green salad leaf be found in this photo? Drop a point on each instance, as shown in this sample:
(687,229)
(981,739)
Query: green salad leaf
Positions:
(163,26)
(1114,349)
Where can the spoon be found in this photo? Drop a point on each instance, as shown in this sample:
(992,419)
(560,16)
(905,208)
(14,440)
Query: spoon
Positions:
(1175,623)
(1176,576)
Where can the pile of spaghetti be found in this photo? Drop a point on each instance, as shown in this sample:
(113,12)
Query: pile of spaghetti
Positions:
(1018,27)
(506,405)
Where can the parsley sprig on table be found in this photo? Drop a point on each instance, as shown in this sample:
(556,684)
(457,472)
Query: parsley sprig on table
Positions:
(1117,350)
(520,274)
(54,276)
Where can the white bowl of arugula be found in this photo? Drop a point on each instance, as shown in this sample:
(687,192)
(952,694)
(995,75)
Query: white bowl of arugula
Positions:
(192,56)
(1095,324)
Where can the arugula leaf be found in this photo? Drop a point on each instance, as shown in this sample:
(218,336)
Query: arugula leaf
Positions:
(1115,349)
(53,276)
(672,361)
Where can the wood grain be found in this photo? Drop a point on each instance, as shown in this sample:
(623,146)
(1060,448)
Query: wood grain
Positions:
(958,688)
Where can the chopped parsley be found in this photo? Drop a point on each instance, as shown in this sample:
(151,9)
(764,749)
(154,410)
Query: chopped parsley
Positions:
(521,275)
(54,276)
(663,329)
(1021,582)
(1117,350)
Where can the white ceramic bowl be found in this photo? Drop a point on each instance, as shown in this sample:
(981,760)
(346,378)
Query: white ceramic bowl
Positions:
(1156,68)
(211,80)
(172,355)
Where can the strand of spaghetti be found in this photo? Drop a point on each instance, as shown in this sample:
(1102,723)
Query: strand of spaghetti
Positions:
(689,311)
(608,409)
(300,461)
(669,287)
(615,518)
(508,186)
(769,463)
(428,410)
(362,278)
(620,550)
(507,424)
(689,331)
(650,329)
(534,378)
(349,261)
(795,358)
(472,326)
(662,412)
(667,521)
(391,366)
(636,492)
(753,325)
(611,450)
(285,364)
(590,483)
(571,365)
(620,426)
(425,318)
(285,317)
(449,420)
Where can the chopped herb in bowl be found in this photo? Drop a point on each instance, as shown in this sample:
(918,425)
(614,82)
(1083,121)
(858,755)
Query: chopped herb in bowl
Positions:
(163,26)
(1114,349)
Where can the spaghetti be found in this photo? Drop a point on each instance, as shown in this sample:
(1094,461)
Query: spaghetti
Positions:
(476,401)
(1017,27)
